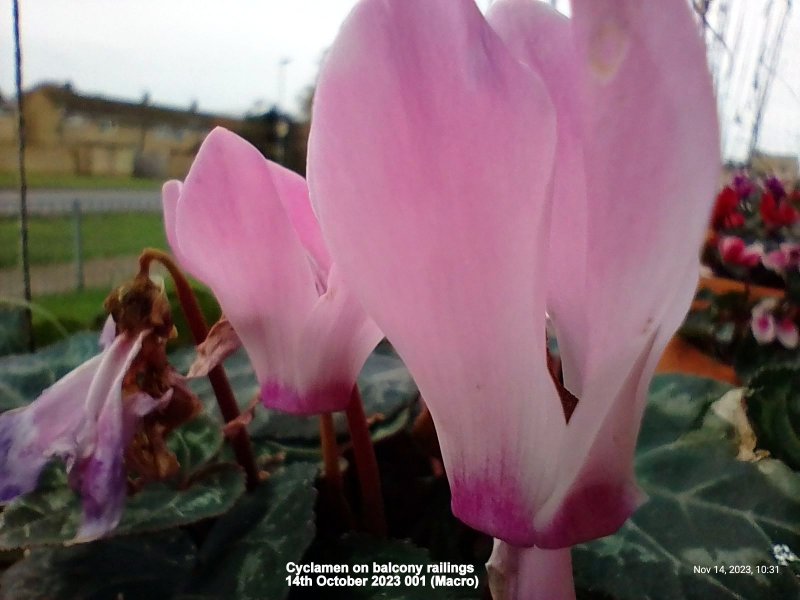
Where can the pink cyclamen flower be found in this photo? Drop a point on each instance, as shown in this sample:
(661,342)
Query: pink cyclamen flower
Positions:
(244,226)
(786,257)
(762,321)
(87,421)
(471,174)
(733,251)
(787,333)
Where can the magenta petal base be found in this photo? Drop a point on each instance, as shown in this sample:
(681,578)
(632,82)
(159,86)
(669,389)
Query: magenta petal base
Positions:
(589,513)
(329,398)
(493,509)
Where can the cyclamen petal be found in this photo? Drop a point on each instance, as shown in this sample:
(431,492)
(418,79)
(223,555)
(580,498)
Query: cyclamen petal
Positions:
(610,339)
(734,251)
(775,261)
(271,273)
(429,163)
(787,334)
(32,435)
(762,321)
(219,344)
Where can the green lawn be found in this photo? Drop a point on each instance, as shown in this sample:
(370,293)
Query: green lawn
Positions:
(79,182)
(52,239)
(78,311)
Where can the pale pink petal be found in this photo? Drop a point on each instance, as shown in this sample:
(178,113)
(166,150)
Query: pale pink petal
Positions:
(429,165)
(33,435)
(540,37)
(786,332)
(649,168)
(293,193)
(108,333)
(646,93)
(220,343)
(236,237)
(530,573)
(170,196)
(775,261)
(762,322)
(336,341)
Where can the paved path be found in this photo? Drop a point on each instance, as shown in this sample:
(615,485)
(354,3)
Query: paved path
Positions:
(60,278)
(54,202)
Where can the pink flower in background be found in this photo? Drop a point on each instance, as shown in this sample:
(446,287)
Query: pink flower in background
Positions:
(244,227)
(733,251)
(463,175)
(786,332)
(763,322)
(786,257)
(768,324)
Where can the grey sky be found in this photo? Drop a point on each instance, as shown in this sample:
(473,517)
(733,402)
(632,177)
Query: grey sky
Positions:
(225,54)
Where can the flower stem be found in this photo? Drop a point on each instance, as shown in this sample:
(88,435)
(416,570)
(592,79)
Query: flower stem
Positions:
(330,451)
(366,466)
(226,401)
(332,475)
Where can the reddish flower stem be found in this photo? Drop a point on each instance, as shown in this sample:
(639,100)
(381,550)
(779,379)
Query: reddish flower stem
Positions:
(332,475)
(226,401)
(366,466)
(330,451)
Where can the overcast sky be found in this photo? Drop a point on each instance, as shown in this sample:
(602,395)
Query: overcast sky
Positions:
(225,54)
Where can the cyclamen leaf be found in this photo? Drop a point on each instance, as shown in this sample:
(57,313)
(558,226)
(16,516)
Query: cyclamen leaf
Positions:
(50,515)
(752,357)
(773,405)
(195,443)
(135,568)
(12,326)
(24,376)
(245,553)
(705,510)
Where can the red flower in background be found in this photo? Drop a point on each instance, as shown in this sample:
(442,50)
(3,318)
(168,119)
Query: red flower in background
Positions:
(777,212)
(726,213)
(733,251)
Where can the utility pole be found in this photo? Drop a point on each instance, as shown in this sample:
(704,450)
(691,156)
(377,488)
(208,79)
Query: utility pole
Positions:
(768,59)
(282,81)
(23,183)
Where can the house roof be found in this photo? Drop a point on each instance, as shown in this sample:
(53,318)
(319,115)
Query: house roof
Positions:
(136,113)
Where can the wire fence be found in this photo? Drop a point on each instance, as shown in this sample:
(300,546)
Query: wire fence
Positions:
(77,243)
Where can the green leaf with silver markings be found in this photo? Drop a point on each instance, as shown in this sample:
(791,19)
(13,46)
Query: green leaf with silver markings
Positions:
(705,509)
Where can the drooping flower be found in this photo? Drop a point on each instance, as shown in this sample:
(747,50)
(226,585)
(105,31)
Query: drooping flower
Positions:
(244,226)
(91,418)
(733,251)
(438,143)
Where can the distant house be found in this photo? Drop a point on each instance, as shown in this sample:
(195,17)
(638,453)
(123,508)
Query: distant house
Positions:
(72,133)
